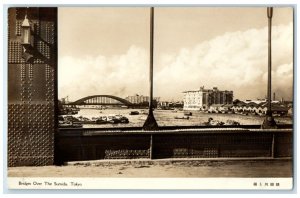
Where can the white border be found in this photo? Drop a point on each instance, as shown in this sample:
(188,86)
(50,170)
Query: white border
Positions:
(152,183)
(143,2)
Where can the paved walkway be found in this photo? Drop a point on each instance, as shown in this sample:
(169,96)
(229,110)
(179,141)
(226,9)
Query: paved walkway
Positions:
(163,168)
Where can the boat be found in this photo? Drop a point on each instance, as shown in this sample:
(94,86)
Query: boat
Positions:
(122,119)
(134,113)
(188,113)
(66,122)
(144,112)
(113,120)
(63,124)
(77,125)
(101,120)
(212,122)
(182,117)
(232,123)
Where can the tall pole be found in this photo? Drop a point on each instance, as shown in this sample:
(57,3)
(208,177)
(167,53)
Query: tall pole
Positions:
(151,57)
(270,15)
(150,123)
(269,121)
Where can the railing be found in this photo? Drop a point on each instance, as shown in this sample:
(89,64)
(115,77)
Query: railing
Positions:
(134,143)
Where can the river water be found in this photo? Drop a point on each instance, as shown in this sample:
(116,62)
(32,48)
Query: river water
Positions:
(167,118)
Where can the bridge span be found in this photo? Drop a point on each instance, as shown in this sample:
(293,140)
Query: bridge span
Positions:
(102,100)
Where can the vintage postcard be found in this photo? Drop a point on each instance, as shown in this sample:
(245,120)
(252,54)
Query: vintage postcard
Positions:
(150,97)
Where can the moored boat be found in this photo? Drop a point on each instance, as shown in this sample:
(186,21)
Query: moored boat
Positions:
(134,113)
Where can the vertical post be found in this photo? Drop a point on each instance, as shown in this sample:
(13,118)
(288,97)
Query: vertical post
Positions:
(151,147)
(273,146)
(151,57)
(269,121)
(150,123)
(270,15)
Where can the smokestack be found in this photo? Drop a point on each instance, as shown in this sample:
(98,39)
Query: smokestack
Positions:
(274,98)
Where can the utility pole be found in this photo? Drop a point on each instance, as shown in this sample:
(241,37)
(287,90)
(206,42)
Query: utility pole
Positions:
(150,123)
(269,121)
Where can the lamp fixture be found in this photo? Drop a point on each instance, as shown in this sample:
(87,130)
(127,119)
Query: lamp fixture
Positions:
(27,40)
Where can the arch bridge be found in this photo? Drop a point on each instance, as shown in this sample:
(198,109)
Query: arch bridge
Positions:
(102,100)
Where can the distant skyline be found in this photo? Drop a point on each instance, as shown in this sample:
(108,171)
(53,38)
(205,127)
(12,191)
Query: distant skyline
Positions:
(193,47)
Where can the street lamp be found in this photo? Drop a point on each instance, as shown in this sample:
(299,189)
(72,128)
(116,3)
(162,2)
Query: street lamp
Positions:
(26,32)
(26,40)
(269,121)
(150,123)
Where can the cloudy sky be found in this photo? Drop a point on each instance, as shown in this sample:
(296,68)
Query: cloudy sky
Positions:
(106,51)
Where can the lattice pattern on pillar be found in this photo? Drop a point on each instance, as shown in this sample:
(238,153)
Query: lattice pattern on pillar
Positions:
(31,112)
(44,49)
(18,27)
(50,34)
(14,52)
(16,124)
(23,93)
(8,28)
(50,94)
(36,27)
(39,122)
(39,47)
(50,55)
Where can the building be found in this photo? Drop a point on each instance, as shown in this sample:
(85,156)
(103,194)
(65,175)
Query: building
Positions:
(220,108)
(170,105)
(202,99)
(140,99)
(259,107)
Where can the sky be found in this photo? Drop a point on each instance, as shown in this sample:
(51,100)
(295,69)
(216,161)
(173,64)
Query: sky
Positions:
(106,51)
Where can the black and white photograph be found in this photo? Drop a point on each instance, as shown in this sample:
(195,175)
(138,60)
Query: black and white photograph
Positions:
(150,97)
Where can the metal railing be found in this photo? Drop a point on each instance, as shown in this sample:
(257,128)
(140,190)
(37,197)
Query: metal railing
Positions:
(96,144)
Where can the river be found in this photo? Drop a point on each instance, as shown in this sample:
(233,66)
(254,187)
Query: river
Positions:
(167,118)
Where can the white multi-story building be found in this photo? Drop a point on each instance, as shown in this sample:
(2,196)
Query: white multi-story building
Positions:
(202,99)
(138,99)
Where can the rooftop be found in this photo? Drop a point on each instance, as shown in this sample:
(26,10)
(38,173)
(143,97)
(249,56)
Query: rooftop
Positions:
(202,89)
